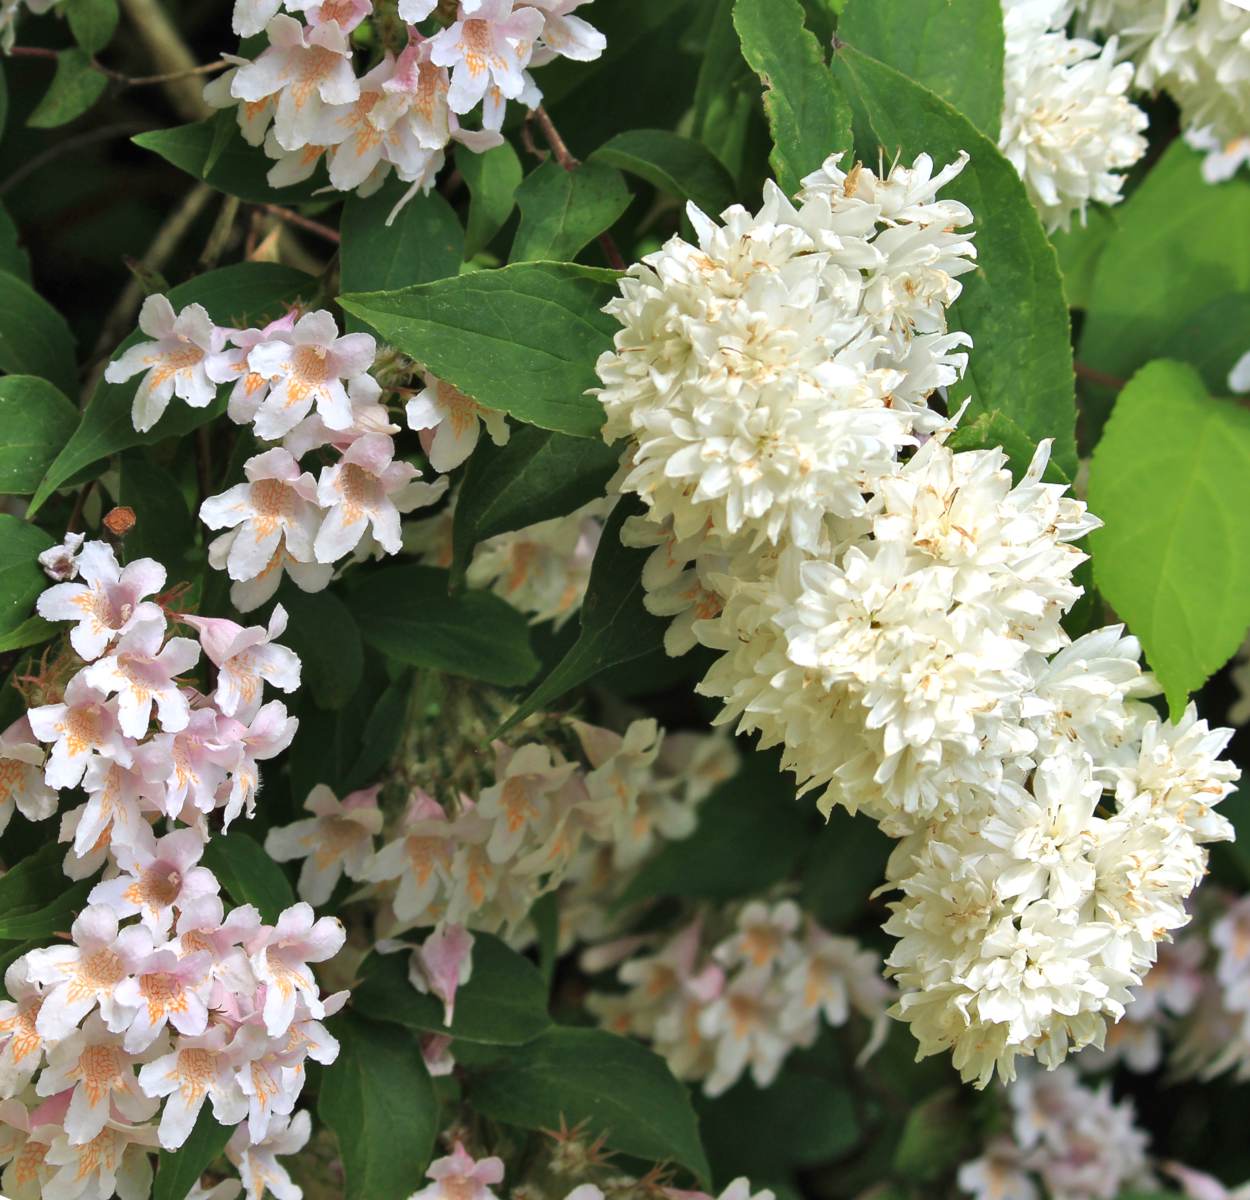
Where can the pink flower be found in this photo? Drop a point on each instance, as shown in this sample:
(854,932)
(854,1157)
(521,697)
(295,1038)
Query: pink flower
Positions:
(420,859)
(81,728)
(258,1164)
(246,658)
(488,50)
(309,368)
(24,1141)
(565,35)
(521,804)
(197,758)
(449,423)
(108,603)
(232,366)
(280,956)
(117,798)
(115,1162)
(364,489)
(270,732)
(415,11)
(174,361)
(204,927)
(336,840)
(21,776)
(142,671)
(166,990)
(199,1068)
(459,1177)
(158,875)
(21,1043)
(60,562)
(368,416)
(441,964)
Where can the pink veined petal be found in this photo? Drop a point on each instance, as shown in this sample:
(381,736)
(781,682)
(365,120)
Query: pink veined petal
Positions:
(339,534)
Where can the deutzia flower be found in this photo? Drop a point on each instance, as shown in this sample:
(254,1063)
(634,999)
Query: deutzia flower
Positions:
(174,361)
(60,563)
(336,840)
(246,659)
(450,423)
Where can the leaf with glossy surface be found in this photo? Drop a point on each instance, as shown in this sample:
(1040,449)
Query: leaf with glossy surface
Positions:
(248,874)
(674,164)
(535,476)
(726,94)
(323,632)
(562,211)
(504,1002)
(163,527)
(952,47)
(378,1100)
(237,295)
(36,419)
(808,116)
(614,627)
(1171,481)
(523,339)
(178,1171)
(405,613)
(1013,304)
(76,86)
(34,338)
(492,179)
(623,1092)
(21,578)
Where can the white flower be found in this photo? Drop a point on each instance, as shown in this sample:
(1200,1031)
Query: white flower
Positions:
(165,991)
(743,1023)
(566,35)
(246,659)
(199,1068)
(336,840)
(82,728)
(22,783)
(21,1043)
(174,362)
(60,562)
(487,51)
(233,366)
(280,956)
(257,1162)
(1223,158)
(450,423)
(765,939)
(116,1162)
(1207,71)
(420,858)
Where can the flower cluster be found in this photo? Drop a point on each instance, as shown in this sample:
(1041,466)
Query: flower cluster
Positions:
(759,992)
(301,384)
(302,100)
(161,999)
(896,625)
(1068,126)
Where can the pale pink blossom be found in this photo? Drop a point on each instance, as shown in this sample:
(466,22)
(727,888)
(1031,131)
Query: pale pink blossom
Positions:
(24,1141)
(21,1043)
(522,801)
(252,118)
(231,365)
(367,490)
(258,1164)
(142,671)
(309,366)
(458,1176)
(60,562)
(765,937)
(336,840)
(81,728)
(436,1050)
(204,926)
(280,956)
(441,964)
(250,594)
(157,876)
(166,991)
(270,732)
(117,798)
(359,146)
(264,1077)
(246,658)
(109,601)
(199,1068)
(566,35)
(173,361)
(368,416)
(450,422)
(743,1024)
(116,1162)
(415,11)
(420,858)
(196,762)
(276,507)
(22,784)
(488,50)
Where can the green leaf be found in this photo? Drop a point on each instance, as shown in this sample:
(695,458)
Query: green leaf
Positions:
(382,734)
(621,1090)
(75,87)
(1181,245)
(674,164)
(237,295)
(178,1171)
(406,613)
(504,1003)
(378,1100)
(248,874)
(952,47)
(1080,251)
(213,150)
(726,93)
(1211,339)
(1171,480)
(523,339)
(613,625)
(21,578)
(846,861)
(323,632)
(937,1136)
(423,243)
(13,257)
(751,833)
(163,528)
(36,419)
(562,211)
(56,916)
(492,179)
(34,338)
(987,430)
(1013,304)
(535,476)
(36,901)
(808,116)
(93,23)
(31,632)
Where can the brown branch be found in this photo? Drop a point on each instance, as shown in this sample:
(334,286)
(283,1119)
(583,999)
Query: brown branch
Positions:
(1100,378)
(170,76)
(302,222)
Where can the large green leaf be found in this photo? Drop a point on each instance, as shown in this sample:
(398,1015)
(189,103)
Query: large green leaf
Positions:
(21,578)
(1013,304)
(248,874)
(614,626)
(36,419)
(236,295)
(406,613)
(952,47)
(178,1171)
(378,1100)
(1181,244)
(809,118)
(523,339)
(563,211)
(504,1003)
(674,164)
(492,179)
(323,632)
(13,257)
(76,86)
(726,94)
(623,1092)
(93,23)
(1080,251)
(534,476)
(164,529)
(845,862)
(1171,479)
(35,899)
(34,338)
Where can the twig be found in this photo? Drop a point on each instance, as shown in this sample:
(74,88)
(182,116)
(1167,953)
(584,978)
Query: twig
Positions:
(120,76)
(170,53)
(68,146)
(1101,378)
(302,222)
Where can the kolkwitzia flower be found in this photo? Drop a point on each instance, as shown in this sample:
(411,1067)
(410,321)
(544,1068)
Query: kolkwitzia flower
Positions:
(22,784)
(257,1162)
(458,1176)
(246,659)
(450,423)
(82,728)
(336,840)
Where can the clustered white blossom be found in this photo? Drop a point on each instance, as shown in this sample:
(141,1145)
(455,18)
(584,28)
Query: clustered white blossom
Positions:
(1068,126)
(744,1004)
(303,386)
(894,624)
(161,999)
(302,100)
